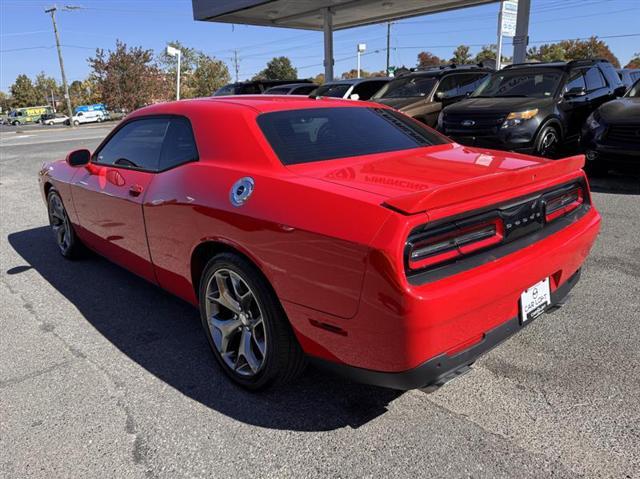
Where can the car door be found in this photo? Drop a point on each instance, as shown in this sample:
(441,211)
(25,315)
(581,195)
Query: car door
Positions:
(108,194)
(575,109)
(598,92)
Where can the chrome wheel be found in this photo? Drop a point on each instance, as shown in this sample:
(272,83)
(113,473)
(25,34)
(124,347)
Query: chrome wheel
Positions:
(59,222)
(236,322)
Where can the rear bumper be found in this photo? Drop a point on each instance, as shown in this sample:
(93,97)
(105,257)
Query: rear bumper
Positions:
(442,368)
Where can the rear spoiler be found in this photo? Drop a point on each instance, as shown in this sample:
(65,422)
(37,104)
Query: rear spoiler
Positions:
(474,188)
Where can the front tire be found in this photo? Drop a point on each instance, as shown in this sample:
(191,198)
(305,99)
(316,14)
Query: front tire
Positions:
(65,237)
(246,326)
(76,123)
(547,142)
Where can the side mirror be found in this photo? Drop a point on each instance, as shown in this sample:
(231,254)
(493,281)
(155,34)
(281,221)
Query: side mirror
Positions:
(354,96)
(621,90)
(575,92)
(79,157)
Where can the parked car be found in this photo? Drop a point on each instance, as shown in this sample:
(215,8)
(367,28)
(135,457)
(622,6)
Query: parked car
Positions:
(532,108)
(292,89)
(423,94)
(80,117)
(254,87)
(357,277)
(53,119)
(31,114)
(611,134)
(628,76)
(353,89)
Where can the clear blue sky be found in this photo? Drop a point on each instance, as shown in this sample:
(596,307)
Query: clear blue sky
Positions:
(27,42)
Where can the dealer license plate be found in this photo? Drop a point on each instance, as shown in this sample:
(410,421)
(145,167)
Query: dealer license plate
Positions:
(535,300)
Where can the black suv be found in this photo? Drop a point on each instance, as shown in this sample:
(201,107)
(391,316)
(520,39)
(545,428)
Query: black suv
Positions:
(422,94)
(532,107)
(254,87)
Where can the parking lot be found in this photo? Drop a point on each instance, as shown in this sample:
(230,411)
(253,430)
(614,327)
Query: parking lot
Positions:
(103,374)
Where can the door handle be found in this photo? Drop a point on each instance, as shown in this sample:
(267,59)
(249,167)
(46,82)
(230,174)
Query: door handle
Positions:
(135,190)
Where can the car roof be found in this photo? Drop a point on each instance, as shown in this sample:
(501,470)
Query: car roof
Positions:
(257,103)
(447,70)
(354,81)
(293,85)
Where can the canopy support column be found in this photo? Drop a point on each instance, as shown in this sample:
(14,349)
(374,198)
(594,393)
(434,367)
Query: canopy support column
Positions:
(521,40)
(328,44)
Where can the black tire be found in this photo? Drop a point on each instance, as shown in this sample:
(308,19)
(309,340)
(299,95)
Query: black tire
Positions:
(547,142)
(76,123)
(284,360)
(63,233)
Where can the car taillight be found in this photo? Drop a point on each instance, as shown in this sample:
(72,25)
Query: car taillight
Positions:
(452,241)
(563,204)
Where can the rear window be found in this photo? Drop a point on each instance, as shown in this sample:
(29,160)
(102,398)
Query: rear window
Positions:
(317,134)
(333,90)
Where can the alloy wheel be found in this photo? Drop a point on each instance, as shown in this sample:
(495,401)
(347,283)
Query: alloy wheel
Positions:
(59,223)
(236,323)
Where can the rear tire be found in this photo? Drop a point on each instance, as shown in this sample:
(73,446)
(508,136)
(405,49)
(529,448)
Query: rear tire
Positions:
(246,326)
(547,142)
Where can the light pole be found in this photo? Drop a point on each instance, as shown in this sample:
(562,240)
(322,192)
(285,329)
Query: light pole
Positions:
(172,52)
(52,11)
(361,48)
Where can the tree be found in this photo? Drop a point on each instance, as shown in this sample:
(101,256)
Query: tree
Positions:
(278,68)
(46,87)
(591,48)
(84,92)
(6,102)
(488,52)
(127,77)
(209,75)
(428,59)
(23,92)
(319,79)
(548,53)
(461,55)
(634,62)
(188,63)
(353,73)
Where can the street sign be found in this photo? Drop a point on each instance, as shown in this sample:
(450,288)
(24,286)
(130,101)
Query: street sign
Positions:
(509,16)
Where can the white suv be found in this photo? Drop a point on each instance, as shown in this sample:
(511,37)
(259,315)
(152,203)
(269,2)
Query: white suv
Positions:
(88,117)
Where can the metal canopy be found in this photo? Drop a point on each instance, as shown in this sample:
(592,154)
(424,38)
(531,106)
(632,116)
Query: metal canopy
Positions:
(330,15)
(308,14)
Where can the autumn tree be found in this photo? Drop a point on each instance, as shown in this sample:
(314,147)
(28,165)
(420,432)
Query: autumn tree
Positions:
(634,62)
(209,75)
(591,48)
(46,87)
(278,68)
(428,59)
(547,53)
(84,92)
(127,77)
(23,92)
(461,55)
(319,79)
(353,73)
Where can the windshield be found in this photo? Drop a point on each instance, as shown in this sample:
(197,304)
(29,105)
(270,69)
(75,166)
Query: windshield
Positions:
(336,90)
(407,88)
(316,134)
(520,83)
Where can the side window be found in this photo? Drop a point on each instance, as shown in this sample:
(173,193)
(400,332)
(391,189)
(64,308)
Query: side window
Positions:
(136,145)
(447,86)
(468,83)
(367,89)
(594,79)
(635,76)
(575,80)
(179,145)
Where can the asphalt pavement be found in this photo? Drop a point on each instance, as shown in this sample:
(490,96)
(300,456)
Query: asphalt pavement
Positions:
(105,375)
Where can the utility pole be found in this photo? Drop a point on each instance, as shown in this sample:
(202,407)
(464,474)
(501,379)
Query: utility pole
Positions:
(388,44)
(236,64)
(52,11)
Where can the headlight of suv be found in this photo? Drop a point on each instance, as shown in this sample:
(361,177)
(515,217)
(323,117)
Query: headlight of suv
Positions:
(593,120)
(517,118)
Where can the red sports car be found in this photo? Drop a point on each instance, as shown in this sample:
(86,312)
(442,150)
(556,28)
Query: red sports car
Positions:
(334,231)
